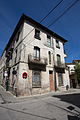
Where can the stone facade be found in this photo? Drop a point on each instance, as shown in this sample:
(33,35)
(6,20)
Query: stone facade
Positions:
(39,52)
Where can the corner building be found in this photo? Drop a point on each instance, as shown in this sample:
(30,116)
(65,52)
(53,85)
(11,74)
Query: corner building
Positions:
(34,60)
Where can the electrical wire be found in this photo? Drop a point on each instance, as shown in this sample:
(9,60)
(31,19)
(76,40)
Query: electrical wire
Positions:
(51,11)
(64,13)
(58,17)
(44,17)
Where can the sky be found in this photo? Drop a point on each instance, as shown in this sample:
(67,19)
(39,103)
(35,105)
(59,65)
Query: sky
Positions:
(68,26)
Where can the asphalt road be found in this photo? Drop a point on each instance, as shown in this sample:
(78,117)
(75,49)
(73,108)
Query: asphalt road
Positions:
(54,107)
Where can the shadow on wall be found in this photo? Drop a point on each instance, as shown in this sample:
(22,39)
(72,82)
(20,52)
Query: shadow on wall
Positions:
(70,98)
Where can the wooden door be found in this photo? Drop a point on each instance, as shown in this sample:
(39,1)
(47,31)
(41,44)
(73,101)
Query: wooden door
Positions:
(51,80)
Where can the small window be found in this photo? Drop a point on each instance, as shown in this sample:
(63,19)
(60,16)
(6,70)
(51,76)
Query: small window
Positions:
(36,79)
(11,50)
(10,53)
(60,79)
(16,56)
(37,34)
(49,57)
(57,44)
(48,36)
(11,56)
(17,37)
(49,42)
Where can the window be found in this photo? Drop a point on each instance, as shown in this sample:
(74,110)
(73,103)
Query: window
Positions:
(57,44)
(11,52)
(17,37)
(49,53)
(37,34)
(49,41)
(16,56)
(37,53)
(72,69)
(58,59)
(60,79)
(36,79)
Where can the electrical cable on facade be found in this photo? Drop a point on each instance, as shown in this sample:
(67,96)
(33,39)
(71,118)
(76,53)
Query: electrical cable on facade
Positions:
(63,13)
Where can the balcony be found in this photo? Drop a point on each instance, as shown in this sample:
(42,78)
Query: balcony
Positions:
(37,63)
(59,66)
(35,60)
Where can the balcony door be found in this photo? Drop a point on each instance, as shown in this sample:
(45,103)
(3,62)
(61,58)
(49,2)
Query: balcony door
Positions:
(37,53)
(58,59)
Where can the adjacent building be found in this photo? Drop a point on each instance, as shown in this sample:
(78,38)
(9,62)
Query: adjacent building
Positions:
(33,61)
(72,75)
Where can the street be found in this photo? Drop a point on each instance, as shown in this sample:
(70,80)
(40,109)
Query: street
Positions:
(49,107)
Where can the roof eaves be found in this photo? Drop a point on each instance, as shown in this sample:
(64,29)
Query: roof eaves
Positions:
(43,27)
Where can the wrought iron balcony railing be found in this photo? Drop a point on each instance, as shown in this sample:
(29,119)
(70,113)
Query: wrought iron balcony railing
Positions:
(37,60)
(59,64)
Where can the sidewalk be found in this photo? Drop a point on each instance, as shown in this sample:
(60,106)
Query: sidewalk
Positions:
(7,97)
(49,94)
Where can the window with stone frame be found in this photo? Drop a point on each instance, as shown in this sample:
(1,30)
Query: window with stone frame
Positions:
(49,41)
(15,56)
(57,44)
(37,34)
(18,35)
(36,79)
(36,53)
(49,53)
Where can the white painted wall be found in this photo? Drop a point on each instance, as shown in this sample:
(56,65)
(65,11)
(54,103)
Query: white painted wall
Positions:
(71,68)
